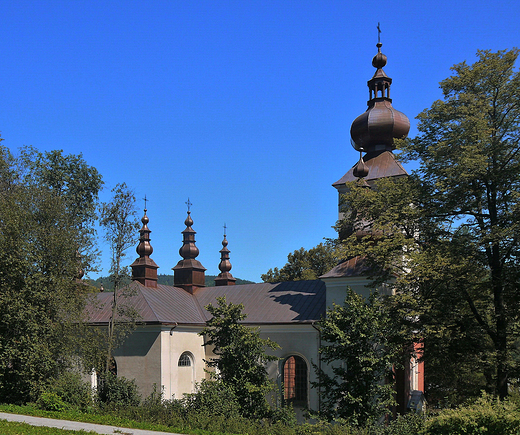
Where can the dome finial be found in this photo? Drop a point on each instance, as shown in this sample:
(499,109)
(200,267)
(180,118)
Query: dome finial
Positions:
(379,34)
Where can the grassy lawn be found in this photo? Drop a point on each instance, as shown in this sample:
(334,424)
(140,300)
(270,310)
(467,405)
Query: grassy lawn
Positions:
(97,418)
(72,415)
(13,428)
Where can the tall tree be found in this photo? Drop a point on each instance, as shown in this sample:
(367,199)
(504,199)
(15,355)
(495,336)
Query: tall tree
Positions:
(360,352)
(41,302)
(241,357)
(450,232)
(303,264)
(119,219)
(76,183)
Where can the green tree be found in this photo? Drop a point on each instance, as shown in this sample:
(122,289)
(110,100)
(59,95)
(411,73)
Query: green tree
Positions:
(75,182)
(41,301)
(119,219)
(359,350)
(241,359)
(449,234)
(303,264)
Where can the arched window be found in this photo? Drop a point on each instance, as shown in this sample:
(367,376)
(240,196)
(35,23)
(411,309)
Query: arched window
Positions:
(295,380)
(185,360)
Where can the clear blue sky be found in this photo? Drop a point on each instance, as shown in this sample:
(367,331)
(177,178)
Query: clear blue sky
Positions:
(243,106)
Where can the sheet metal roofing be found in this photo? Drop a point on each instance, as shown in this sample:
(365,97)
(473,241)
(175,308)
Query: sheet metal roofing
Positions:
(380,165)
(356,266)
(286,302)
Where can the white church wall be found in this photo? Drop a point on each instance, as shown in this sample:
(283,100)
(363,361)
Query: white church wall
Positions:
(298,340)
(151,355)
(139,358)
(337,289)
(179,380)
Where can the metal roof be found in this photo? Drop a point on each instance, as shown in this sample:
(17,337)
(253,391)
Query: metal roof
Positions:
(380,165)
(356,266)
(286,302)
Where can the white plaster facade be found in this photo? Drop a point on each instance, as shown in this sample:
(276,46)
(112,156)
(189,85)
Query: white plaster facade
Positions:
(150,355)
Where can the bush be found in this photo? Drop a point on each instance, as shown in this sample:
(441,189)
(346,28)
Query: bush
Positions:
(284,415)
(487,415)
(155,409)
(50,401)
(73,390)
(410,423)
(213,397)
(118,391)
(155,400)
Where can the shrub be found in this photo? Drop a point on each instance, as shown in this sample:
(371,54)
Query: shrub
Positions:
(410,423)
(487,415)
(213,397)
(50,401)
(155,409)
(284,415)
(118,391)
(72,389)
(155,399)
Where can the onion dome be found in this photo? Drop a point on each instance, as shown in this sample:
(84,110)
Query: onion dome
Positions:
(224,277)
(376,129)
(144,269)
(144,248)
(361,169)
(188,249)
(189,273)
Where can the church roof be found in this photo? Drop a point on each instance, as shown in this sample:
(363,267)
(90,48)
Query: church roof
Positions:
(284,302)
(353,267)
(264,303)
(380,165)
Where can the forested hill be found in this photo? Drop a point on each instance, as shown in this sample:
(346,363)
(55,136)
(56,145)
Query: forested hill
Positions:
(162,279)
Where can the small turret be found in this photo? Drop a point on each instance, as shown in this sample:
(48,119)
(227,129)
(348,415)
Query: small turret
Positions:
(224,277)
(189,273)
(144,269)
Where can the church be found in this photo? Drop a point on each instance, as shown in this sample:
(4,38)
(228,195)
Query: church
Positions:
(166,350)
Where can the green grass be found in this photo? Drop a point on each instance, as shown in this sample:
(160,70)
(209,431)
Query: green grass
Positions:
(72,415)
(97,418)
(14,428)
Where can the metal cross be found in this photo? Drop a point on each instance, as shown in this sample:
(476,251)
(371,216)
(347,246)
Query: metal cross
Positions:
(145,200)
(225,229)
(378,33)
(188,203)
